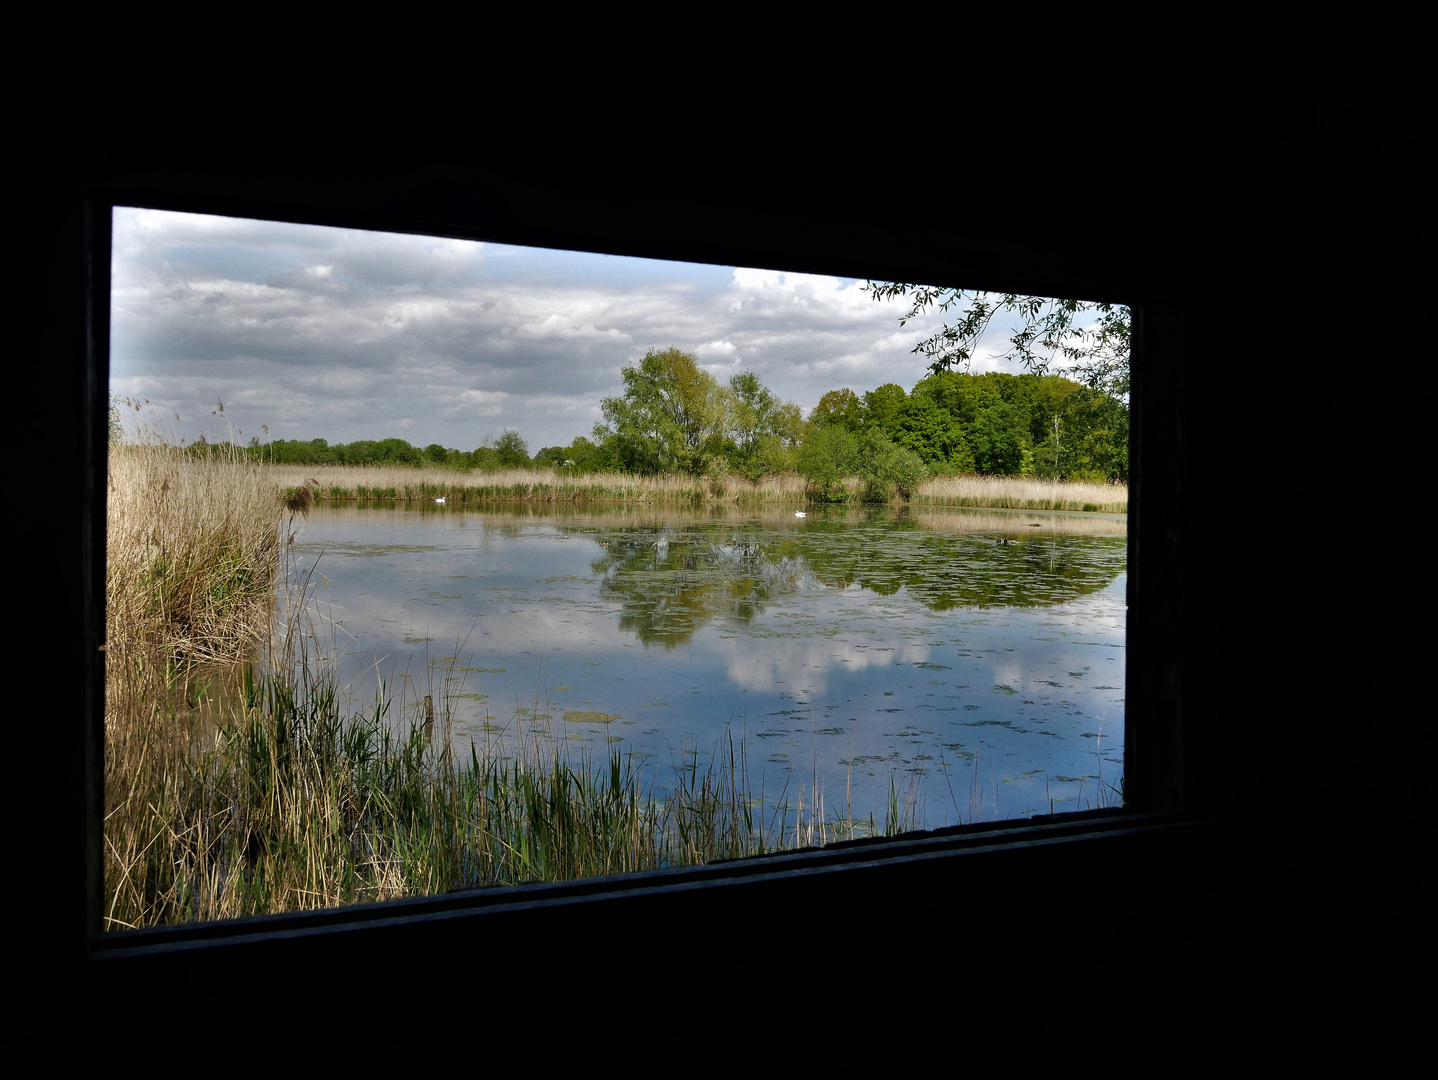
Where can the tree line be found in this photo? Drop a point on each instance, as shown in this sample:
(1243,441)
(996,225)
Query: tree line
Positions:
(509,451)
(674,417)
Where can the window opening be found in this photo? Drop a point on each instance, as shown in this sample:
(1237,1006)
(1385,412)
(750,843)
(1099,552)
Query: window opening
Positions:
(574,547)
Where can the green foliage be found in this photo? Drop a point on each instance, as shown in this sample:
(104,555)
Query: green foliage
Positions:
(764,431)
(882,405)
(772,455)
(584,457)
(1047,331)
(752,407)
(887,469)
(841,407)
(117,430)
(829,454)
(670,418)
(999,437)
(1088,440)
(996,424)
(362,452)
(928,430)
(511,451)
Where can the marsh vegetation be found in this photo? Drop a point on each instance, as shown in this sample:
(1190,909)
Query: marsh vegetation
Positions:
(243,777)
(346,483)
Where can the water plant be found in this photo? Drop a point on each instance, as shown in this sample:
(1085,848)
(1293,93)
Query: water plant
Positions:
(288,801)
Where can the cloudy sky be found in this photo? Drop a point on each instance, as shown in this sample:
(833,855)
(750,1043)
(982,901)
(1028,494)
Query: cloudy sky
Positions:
(344,335)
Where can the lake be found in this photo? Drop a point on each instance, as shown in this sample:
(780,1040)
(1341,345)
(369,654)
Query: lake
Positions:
(970,661)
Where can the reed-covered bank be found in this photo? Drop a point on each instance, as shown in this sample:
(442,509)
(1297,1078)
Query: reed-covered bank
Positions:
(400,484)
(287,800)
(290,803)
(192,551)
(1022,493)
(237,782)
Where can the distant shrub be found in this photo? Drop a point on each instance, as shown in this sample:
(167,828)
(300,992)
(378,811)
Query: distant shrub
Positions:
(887,469)
(829,454)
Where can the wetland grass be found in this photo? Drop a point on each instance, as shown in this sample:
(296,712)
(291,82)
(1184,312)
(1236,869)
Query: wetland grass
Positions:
(1023,493)
(289,802)
(192,551)
(402,484)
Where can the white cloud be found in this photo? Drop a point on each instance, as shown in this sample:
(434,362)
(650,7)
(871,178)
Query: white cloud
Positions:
(762,671)
(201,306)
(720,352)
(483,397)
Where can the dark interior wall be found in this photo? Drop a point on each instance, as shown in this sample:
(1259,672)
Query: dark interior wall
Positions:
(1273,882)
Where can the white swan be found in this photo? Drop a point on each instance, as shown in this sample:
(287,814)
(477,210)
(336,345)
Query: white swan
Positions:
(800,513)
(440,499)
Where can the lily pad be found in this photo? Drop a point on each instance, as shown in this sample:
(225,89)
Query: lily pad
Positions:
(589,716)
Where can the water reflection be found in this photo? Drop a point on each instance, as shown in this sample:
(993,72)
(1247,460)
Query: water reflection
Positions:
(670,581)
(977,656)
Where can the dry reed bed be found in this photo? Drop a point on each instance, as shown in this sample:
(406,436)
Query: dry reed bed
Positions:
(400,484)
(192,550)
(1024,493)
(342,482)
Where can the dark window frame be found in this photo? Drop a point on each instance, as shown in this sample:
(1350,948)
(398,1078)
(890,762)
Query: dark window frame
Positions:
(1257,908)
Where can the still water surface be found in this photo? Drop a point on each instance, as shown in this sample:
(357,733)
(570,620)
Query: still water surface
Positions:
(843,651)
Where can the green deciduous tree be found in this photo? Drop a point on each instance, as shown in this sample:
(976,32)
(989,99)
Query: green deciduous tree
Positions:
(510,450)
(830,453)
(887,469)
(999,438)
(752,407)
(995,423)
(927,429)
(841,407)
(882,405)
(672,415)
(765,430)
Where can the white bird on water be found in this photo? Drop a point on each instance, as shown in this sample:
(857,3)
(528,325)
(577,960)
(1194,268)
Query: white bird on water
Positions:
(800,513)
(440,499)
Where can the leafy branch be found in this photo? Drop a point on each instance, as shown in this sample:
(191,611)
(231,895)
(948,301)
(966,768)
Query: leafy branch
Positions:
(1048,332)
